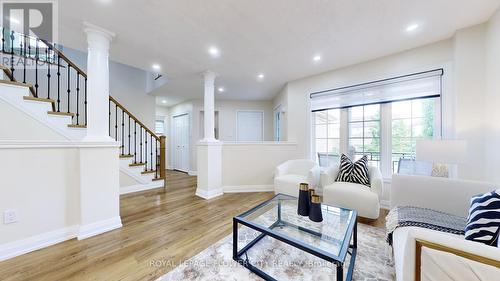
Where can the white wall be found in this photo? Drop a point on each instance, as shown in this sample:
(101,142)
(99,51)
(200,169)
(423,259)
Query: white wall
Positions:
(227,122)
(492,96)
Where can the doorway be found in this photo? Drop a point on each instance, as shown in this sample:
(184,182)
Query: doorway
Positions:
(181,142)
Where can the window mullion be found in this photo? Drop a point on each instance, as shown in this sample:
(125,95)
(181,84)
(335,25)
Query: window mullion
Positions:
(344,131)
(386,140)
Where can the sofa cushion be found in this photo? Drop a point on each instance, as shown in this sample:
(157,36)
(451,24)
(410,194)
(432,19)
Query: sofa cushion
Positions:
(483,222)
(354,172)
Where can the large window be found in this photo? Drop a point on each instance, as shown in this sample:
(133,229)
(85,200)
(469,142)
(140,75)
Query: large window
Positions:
(411,121)
(382,119)
(327,135)
(364,133)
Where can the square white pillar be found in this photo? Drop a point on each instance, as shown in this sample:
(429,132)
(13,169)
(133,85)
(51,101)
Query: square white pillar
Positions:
(209,170)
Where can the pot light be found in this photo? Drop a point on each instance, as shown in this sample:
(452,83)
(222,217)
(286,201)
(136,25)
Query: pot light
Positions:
(316,58)
(221,89)
(156,66)
(214,52)
(412,27)
(260,76)
(164,101)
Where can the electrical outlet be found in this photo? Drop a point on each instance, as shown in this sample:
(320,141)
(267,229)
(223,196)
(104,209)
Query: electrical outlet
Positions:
(9,216)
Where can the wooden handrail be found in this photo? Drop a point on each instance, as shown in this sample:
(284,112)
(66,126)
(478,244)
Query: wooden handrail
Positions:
(62,56)
(134,118)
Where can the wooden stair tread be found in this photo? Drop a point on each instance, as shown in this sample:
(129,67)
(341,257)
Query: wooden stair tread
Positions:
(39,99)
(77,126)
(126,156)
(15,83)
(158,179)
(136,164)
(148,172)
(61,113)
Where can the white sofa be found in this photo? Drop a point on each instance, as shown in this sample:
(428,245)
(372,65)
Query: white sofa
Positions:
(359,197)
(449,196)
(290,174)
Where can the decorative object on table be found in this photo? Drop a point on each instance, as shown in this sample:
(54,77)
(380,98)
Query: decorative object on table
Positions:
(315,212)
(311,193)
(303,206)
(354,172)
(483,223)
(441,153)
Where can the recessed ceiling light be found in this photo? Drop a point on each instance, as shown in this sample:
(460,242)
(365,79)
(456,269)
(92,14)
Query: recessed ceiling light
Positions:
(317,58)
(221,89)
(164,101)
(260,76)
(412,27)
(156,66)
(214,52)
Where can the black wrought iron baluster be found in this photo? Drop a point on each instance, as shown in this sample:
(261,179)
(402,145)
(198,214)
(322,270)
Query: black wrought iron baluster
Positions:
(85,102)
(135,142)
(157,160)
(140,143)
(109,125)
(58,83)
(145,150)
(69,87)
(116,122)
(123,133)
(77,98)
(24,59)
(3,39)
(129,135)
(37,55)
(151,151)
(47,52)
(12,69)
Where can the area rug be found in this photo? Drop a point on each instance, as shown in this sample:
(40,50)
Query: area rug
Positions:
(284,262)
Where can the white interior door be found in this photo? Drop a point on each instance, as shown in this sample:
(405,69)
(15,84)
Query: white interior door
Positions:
(181,143)
(250,126)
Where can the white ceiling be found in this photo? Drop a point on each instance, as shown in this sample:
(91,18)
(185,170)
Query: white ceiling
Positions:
(276,37)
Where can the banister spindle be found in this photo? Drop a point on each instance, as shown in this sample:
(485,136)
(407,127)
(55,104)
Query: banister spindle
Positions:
(135,142)
(140,143)
(47,51)
(145,149)
(24,59)
(69,86)
(116,122)
(58,82)
(85,102)
(123,133)
(151,150)
(3,39)
(37,55)
(77,98)
(156,157)
(109,123)
(12,69)
(129,135)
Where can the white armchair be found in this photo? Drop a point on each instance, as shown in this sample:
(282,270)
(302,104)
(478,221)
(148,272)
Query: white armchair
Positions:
(290,174)
(354,196)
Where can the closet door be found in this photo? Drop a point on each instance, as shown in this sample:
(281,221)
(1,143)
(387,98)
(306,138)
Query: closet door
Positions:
(181,143)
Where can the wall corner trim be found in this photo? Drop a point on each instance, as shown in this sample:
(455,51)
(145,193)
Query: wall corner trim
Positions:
(96,228)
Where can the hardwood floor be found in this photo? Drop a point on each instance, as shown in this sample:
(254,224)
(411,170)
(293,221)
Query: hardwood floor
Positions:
(158,226)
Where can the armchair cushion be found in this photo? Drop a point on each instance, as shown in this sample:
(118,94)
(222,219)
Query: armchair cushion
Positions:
(354,172)
(290,174)
(353,196)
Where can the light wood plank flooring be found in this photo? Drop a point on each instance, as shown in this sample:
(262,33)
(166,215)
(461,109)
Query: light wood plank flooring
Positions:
(159,225)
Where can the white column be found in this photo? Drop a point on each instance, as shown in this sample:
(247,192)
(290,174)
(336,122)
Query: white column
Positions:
(98,40)
(209,106)
(209,154)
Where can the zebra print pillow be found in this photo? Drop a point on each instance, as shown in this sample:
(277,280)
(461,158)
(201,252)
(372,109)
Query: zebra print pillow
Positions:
(356,172)
(483,222)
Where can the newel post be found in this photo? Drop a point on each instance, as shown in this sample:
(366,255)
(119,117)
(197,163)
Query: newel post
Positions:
(163,164)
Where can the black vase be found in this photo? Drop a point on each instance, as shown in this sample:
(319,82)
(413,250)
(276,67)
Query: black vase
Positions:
(303,206)
(315,211)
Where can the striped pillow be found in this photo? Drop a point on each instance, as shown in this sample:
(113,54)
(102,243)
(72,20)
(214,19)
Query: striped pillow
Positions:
(356,172)
(483,222)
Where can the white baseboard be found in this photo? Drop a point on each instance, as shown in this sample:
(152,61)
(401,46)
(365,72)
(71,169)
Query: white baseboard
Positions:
(33,243)
(248,188)
(140,187)
(96,228)
(385,204)
(193,173)
(205,194)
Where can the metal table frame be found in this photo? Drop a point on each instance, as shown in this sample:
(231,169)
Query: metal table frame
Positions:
(338,260)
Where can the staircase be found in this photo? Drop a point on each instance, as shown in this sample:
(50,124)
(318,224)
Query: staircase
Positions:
(49,87)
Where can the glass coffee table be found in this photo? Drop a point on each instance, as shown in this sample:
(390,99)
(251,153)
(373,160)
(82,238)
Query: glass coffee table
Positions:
(331,240)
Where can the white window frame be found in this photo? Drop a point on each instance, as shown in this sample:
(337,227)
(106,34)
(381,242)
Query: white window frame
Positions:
(262,125)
